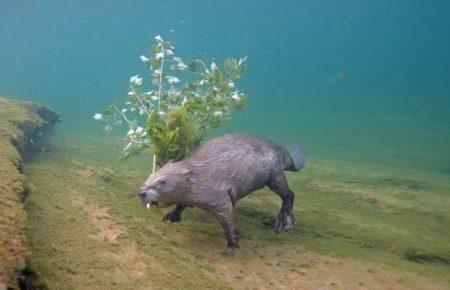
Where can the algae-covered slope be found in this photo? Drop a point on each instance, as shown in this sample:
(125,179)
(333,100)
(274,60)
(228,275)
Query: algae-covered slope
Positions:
(358,228)
(20,125)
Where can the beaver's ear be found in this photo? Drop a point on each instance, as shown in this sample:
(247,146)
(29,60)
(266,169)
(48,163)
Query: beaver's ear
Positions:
(188,173)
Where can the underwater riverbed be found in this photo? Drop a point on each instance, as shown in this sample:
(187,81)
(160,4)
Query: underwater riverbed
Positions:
(357,227)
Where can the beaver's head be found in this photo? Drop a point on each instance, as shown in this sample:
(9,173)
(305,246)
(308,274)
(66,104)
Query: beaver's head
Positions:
(166,186)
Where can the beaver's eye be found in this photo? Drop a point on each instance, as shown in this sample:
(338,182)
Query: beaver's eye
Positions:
(162,182)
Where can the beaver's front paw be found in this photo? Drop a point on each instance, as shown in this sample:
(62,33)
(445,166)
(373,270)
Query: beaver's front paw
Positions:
(284,222)
(172,216)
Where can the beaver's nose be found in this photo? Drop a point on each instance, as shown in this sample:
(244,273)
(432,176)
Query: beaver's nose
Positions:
(142,191)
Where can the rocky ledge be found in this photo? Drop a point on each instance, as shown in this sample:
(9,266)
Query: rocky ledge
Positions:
(21,125)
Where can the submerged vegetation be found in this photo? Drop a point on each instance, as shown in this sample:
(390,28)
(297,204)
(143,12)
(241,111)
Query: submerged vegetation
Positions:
(21,125)
(177,115)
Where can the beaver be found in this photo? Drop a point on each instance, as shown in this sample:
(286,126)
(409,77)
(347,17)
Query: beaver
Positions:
(219,173)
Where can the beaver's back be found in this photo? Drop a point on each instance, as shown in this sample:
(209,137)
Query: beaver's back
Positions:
(242,148)
(242,161)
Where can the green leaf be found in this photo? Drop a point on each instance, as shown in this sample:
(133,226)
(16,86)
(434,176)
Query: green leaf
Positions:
(185,123)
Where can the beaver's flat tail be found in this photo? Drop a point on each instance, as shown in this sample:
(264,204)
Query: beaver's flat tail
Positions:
(298,157)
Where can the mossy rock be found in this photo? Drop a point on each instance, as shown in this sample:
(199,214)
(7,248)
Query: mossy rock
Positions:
(21,122)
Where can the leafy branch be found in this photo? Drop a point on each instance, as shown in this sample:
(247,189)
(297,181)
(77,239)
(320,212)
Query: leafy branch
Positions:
(176,115)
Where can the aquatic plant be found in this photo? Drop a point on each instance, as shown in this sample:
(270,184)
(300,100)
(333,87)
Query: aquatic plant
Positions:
(177,115)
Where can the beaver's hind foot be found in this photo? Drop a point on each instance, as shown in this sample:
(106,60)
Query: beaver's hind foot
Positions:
(232,248)
(284,222)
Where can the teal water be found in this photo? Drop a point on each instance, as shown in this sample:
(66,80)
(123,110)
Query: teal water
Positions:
(358,81)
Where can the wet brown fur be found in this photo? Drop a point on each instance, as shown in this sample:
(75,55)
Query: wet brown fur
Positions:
(219,173)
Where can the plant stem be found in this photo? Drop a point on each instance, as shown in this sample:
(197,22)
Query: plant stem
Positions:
(154,163)
(204,65)
(122,114)
(160,77)
(159,98)
(140,101)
